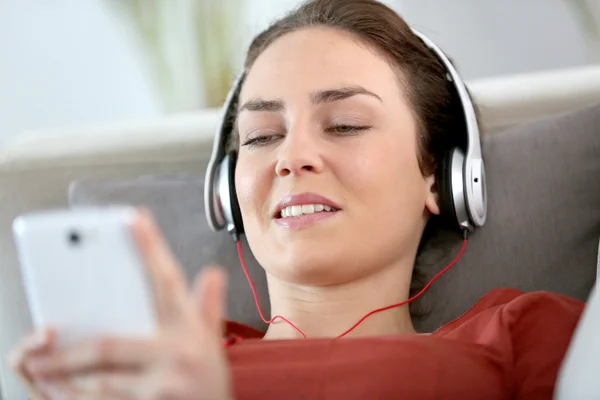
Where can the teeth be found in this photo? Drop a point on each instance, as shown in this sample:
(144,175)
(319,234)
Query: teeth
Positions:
(308,209)
(296,211)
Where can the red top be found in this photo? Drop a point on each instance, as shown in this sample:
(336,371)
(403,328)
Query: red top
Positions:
(509,345)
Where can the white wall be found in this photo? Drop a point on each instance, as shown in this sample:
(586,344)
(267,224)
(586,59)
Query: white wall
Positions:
(68,62)
(486,38)
(502,37)
(73,62)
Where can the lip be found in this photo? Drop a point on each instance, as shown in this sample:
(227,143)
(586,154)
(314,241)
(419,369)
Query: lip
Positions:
(302,199)
(304,221)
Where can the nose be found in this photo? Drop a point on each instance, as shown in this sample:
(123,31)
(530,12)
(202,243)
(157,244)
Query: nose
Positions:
(298,154)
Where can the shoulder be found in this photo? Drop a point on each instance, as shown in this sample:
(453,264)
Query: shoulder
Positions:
(509,307)
(530,331)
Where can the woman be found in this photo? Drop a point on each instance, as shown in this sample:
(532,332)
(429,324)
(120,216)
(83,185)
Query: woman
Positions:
(342,110)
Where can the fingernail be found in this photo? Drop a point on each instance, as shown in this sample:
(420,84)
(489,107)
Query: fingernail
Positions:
(45,385)
(37,366)
(39,339)
(145,213)
(49,388)
(146,219)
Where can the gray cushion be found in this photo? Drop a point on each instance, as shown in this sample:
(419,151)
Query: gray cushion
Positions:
(543,217)
(598,264)
(541,234)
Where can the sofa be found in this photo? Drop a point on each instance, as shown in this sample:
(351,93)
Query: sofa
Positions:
(58,168)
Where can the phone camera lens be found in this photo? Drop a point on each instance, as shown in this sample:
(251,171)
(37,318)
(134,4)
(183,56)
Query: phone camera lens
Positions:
(74,238)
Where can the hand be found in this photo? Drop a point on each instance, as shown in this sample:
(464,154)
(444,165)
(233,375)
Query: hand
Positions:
(184,361)
(37,343)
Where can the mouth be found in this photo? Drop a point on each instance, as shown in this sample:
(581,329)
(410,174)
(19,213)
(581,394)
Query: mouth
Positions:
(305,209)
(304,204)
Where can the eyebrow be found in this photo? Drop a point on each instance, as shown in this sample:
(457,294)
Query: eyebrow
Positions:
(327,96)
(319,97)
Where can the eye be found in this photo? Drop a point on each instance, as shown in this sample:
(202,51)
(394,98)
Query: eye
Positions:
(261,140)
(342,128)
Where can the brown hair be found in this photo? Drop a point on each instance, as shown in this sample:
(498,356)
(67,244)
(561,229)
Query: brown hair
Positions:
(421,75)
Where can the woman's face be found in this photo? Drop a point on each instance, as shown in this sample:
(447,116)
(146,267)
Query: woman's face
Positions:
(324,125)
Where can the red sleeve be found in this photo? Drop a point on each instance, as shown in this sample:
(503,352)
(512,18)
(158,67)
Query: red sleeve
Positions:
(541,325)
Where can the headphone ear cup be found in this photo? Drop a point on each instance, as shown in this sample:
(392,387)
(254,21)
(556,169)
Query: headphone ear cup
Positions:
(446,195)
(233,200)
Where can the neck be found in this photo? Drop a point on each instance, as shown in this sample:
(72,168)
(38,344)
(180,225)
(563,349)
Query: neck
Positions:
(328,311)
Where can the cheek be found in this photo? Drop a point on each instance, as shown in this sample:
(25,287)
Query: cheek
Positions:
(252,188)
(387,175)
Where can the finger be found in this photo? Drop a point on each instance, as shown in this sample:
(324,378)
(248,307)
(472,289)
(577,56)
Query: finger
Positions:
(210,288)
(121,385)
(36,343)
(62,389)
(57,390)
(125,386)
(95,355)
(169,284)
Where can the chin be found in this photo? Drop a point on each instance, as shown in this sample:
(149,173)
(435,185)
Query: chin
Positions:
(310,262)
(322,254)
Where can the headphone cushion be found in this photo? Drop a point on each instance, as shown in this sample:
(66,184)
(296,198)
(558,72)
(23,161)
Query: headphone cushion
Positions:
(235,206)
(446,197)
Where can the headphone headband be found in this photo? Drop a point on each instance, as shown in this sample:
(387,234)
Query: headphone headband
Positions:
(463,173)
(214,209)
(474,172)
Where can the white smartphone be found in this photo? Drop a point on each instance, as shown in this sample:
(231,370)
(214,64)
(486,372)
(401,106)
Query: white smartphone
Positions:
(83,275)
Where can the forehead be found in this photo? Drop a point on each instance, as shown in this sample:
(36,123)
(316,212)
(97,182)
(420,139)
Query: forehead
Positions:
(315,58)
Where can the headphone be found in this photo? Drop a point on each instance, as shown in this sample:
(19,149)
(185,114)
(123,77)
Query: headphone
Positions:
(461,176)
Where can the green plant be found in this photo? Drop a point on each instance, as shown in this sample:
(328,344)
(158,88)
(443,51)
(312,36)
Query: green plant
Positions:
(587,15)
(190,45)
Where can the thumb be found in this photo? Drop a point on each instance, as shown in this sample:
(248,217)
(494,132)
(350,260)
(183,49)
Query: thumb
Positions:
(210,288)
